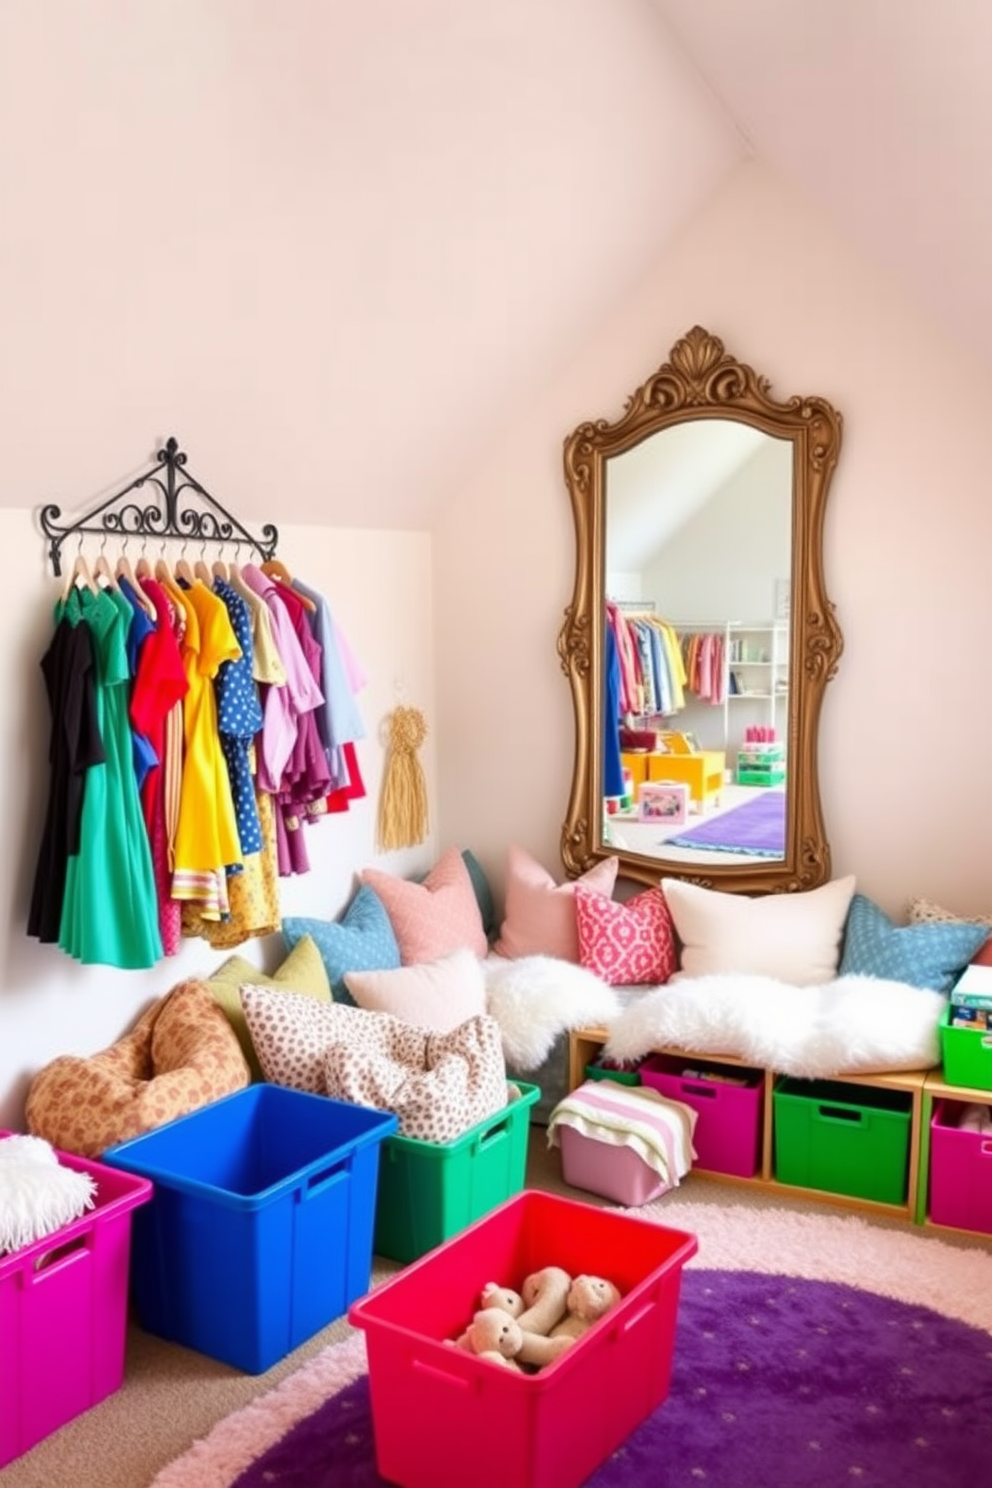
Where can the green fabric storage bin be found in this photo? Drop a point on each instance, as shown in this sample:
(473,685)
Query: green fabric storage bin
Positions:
(429,1191)
(966,1053)
(844,1139)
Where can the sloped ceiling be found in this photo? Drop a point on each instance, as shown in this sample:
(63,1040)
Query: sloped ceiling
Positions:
(357,237)
(353,238)
(879,111)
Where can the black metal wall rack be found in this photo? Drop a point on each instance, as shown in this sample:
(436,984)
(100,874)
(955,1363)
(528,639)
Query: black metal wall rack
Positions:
(164,517)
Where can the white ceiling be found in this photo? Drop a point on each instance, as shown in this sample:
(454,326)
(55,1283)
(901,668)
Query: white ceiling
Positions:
(380,228)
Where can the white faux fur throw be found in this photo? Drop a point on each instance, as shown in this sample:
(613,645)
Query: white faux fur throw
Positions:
(536,998)
(38,1195)
(851,1025)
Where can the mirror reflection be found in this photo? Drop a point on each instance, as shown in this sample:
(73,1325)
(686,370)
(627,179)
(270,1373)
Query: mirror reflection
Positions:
(700,640)
(698,557)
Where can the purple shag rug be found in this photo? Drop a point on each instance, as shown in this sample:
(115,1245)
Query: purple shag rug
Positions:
(778,1382)
(756,828)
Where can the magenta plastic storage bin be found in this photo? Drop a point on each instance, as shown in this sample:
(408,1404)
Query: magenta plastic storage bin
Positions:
(960,1171)
(728,1131)
(443,1418)
(63,1313)
(617,1173)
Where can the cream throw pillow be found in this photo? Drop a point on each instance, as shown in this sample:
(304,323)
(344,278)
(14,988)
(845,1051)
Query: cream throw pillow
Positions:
(794,938)
(437,994)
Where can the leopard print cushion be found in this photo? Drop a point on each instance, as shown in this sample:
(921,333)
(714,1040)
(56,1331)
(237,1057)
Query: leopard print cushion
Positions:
(459,1080)
(292,1034)
(181,1054)
(438,1084)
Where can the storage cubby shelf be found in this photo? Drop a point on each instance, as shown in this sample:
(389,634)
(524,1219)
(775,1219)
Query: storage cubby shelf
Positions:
(585,1045)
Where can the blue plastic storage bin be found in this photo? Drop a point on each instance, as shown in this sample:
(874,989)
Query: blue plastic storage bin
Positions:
(259,1232)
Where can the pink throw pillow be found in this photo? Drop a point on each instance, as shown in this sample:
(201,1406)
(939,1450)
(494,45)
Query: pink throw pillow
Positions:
(630,944)
(540,913)
(432,918)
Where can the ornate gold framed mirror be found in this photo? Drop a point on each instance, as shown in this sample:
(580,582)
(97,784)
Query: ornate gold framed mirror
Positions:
(700,639)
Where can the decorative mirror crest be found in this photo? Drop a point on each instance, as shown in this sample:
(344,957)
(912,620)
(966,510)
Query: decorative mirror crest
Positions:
(742,454)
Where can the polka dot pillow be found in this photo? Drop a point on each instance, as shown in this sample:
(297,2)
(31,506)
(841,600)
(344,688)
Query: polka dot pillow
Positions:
(631,944)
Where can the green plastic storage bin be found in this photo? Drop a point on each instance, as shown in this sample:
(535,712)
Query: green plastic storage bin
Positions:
(753,776)
(966,1053)
(429,1191)
(844,1139)
(622,1077)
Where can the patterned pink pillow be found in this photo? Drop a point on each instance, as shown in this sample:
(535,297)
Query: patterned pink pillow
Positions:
(540,913)
(432,918)
(628,944)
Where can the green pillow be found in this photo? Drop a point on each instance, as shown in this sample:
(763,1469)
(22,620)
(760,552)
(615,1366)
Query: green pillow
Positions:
(301,972)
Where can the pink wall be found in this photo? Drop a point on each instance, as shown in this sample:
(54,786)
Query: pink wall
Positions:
(906,732)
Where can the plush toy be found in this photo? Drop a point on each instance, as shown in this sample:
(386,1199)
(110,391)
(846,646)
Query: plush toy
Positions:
(545,1294)
(492,1334)
(589,1297)
(494,1295)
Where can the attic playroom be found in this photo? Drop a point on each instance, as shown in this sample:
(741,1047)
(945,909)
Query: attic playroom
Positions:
(373,268)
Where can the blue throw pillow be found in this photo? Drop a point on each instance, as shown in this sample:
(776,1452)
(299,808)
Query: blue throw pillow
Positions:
(930,955)
(362,940)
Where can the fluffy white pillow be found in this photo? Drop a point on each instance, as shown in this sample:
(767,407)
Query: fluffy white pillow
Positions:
(437,994)
(38,1195)
(794,938)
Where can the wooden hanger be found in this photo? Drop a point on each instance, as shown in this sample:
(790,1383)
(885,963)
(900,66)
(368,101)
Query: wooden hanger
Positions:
(277,570)
(80,571)
(182,570)
(220,569)
(125,571)
(103,570)
(202,572)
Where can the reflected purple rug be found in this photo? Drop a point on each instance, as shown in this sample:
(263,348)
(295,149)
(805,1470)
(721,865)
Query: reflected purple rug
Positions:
(756,829)
(791,1380)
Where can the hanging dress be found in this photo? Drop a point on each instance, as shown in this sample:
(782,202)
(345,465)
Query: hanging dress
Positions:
(110,909)
(158,689)
(69,671)
(207,844)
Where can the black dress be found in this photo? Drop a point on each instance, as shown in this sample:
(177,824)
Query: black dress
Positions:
(74,745)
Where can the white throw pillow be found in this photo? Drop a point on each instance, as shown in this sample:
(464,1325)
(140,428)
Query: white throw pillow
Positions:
(438,994)
(795,938)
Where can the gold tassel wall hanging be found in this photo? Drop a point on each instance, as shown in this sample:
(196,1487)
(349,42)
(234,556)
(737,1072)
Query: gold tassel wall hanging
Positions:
(402,819)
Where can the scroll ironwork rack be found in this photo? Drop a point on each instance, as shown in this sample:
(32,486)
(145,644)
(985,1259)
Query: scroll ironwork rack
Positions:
(164,517)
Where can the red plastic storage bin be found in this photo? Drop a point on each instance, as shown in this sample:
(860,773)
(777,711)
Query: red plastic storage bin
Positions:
(63,1313)
(728,1132)
(445,1419)
(960,1171)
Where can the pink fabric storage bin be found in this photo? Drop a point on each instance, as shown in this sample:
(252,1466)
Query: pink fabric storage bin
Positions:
(960,1171)
(617,1173)
(63,1313)
(728,1131)
(444,1418)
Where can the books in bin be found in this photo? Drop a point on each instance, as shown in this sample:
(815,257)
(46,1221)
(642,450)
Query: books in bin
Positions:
(973,988)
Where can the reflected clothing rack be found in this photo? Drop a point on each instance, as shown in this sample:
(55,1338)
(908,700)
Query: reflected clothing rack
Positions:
(164,517)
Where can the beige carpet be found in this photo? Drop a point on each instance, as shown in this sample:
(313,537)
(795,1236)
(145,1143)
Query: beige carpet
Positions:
(172,1396)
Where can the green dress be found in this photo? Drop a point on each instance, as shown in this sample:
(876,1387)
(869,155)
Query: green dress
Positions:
(110,907)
